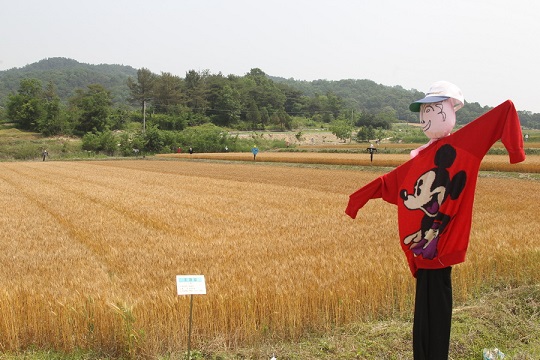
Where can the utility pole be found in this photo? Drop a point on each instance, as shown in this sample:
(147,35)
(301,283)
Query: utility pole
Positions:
(352,125)
(144,115)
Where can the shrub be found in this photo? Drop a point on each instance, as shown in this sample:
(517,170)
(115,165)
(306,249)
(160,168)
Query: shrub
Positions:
(105,142)
(90,142)
(204,138)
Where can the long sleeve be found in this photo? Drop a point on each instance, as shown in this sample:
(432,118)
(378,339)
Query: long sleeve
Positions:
(512,137)
(500,123)
(385,187)
(358,199)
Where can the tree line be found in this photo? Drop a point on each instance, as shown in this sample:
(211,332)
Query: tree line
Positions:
(122,98)
(169,102)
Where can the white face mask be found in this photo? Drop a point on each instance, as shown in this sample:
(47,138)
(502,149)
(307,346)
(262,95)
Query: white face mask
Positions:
(438,119)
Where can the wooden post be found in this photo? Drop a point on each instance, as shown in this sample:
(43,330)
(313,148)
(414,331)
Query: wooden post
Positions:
(189,331)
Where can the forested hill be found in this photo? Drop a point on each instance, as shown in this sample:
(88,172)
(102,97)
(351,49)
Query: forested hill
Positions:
(358,96)
(68,75)
(367,95)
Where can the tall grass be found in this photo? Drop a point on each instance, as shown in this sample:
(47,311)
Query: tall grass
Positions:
(93,250)
(20,145)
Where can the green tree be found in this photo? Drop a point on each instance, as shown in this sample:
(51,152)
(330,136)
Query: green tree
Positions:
(385,117)
(315,105)
(109,142)
(94,107)
(258,87)
(168,93)
(119,117)
(204,138)
(55,121)
(27,107)
(227,107)
(365,133)
(281,119)
(196,90)
(341,128)
(104,141)
(265,117)
(129,142)
(253,115)
(215,85)
(168,122)
(142,90)
(381,120)
(154,140)
(91,142)
(295,101)
(333,104)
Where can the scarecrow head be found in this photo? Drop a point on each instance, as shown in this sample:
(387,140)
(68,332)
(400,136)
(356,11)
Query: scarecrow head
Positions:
(438,109)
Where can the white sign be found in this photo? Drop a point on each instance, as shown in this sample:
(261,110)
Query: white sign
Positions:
(190,285)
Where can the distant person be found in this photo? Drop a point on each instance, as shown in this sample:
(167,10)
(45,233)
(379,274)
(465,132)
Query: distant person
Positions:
(254,151)
(226,148)
(190,150)
(44,154)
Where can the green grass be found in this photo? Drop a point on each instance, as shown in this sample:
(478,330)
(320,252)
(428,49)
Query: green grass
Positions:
(507,319)
(23,146)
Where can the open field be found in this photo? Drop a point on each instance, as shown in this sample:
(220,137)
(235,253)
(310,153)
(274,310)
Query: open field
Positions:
(94,247)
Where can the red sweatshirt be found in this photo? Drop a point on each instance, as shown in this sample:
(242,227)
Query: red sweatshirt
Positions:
(434,191)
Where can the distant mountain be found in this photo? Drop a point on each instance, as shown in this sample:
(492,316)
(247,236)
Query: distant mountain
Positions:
(69,75)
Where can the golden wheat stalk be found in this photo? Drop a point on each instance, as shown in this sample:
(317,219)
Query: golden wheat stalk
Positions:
(94,247)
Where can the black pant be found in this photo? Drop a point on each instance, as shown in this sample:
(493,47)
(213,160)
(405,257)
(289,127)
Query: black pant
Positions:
(432,314)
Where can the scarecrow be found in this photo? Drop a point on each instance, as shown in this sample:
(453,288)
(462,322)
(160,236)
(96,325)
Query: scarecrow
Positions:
(254,151)
(434,193)
(371,150)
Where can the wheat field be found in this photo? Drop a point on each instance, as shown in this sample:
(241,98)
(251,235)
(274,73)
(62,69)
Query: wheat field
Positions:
(90,251)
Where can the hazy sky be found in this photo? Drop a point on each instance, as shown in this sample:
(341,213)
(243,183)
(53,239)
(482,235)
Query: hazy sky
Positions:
(489,48)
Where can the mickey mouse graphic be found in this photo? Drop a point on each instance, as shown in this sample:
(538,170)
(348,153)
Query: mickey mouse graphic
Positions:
(430,191)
